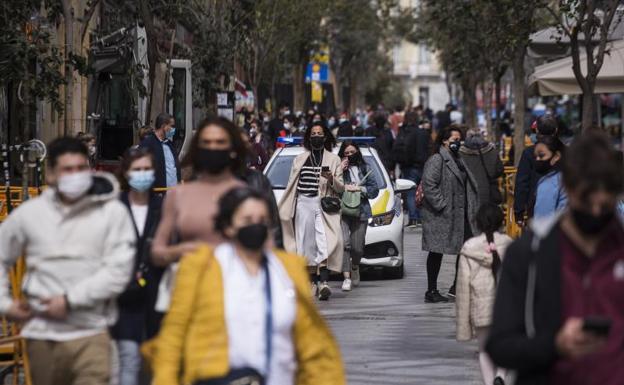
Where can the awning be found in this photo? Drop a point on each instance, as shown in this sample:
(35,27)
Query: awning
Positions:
(557,77)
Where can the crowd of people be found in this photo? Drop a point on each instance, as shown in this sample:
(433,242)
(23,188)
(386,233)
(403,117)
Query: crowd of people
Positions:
(209,282)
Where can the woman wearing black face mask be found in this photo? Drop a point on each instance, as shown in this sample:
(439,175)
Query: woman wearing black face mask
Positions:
(308,228)
(550,196)
(359,177)
(216,154)
(449,208)
(247,308)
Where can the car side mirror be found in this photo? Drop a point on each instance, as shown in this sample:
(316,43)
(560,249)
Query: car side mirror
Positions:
(403,185)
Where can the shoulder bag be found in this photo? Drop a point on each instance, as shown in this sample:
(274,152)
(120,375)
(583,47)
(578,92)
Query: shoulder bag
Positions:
(352,200)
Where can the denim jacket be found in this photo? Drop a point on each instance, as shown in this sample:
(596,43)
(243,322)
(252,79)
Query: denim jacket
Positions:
(551,197)
(370,190)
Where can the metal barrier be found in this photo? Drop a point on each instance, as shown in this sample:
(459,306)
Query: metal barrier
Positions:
(511,227)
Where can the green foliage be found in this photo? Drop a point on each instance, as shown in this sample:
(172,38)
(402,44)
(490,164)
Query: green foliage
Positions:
(26,47)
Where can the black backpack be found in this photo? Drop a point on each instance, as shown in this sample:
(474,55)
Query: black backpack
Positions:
(400,149)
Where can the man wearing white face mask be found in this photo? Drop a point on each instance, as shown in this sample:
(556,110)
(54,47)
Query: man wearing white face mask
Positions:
(78,241)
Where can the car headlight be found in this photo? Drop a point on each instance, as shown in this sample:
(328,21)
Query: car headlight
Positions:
(382,219)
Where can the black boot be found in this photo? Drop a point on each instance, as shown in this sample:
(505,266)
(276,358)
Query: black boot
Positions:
(434,296)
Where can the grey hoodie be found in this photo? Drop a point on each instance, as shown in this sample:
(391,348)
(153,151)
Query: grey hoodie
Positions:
(84,251)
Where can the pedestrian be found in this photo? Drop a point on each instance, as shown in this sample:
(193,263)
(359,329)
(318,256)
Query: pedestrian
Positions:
(384,142)
(91,143)
(138,319)
(396,120)
(449,207)
(359,178)
(258,154)
(310,208)
(550,195)
(289,130)
(276,125)
(479,263)
(216,155)
(527,176)
(443,118)
(345,128)
(160,144)
(245,307)
(481,158)
(411,150)
(78,243)
(559,310)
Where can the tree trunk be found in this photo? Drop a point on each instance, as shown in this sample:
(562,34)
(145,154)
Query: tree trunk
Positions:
(152,55)
(519,91)
(497,98)
(353,94)
(68,19)
(337,84)
(299,87)
(588,110)
(487,108)
(470,99)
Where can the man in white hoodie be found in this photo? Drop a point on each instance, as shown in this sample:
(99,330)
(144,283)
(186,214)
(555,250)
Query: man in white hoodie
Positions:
(78,241)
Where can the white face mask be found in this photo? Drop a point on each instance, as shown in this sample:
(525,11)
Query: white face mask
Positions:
(75,185)
(287,126)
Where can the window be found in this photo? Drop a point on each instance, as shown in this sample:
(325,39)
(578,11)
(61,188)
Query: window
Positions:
(177,100)
(423,96)
(424,55)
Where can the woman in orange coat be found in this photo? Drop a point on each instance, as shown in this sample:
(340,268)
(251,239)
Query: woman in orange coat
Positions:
(243,312)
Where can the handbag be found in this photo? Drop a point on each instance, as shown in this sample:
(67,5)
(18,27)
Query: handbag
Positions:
(420,195)
(495,194)
(352,200)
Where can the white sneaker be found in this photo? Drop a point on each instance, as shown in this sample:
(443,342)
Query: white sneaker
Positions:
(324,292)
(346,285)
(355,277)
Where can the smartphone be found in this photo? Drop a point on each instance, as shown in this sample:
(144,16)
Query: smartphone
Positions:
(599,326)
(325,169)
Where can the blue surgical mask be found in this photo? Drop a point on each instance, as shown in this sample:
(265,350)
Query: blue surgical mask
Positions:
(141,181)
(170,133)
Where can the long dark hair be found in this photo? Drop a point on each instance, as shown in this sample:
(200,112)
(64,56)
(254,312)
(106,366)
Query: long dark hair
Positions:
(330,140)
(130,156)
(446,135)
(239,147)
(359,159)
(489,220)
(554,145)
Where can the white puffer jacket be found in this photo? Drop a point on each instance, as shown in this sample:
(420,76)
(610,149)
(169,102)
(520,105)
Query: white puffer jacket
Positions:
(476,288)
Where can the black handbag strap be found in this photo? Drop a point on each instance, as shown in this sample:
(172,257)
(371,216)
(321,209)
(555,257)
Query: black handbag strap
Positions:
(269,314)
(487,174)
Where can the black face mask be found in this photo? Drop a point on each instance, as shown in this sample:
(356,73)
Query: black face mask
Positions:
(543,167)
(213,161)
(317,142)
(353,159)
(252,237)
(454,147)
(590,224)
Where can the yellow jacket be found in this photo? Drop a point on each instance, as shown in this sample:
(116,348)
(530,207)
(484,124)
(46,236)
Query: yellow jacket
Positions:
(193,342)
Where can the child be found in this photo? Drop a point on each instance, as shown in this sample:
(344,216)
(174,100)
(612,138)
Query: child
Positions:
(480,259)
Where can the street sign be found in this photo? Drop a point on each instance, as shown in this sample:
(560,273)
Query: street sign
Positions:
(317,72)
(317,92)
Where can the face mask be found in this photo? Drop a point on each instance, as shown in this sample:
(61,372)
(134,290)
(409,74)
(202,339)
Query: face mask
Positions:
(212,161)
(287,112)
(265,119)
(543,166)
(332,121)
(253,132)
(170,133)
(590,224)
(317,142)
(92,150)
(252,237)
(454,146)
(141,181)
(353,159)
(342,120)
(75,185)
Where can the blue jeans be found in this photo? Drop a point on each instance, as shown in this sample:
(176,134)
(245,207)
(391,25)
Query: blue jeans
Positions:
(415,175)
(129,362)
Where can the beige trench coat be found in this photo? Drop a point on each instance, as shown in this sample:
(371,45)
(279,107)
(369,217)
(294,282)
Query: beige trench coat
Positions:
(288,204)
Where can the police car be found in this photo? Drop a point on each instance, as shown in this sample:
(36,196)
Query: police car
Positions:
(384,236)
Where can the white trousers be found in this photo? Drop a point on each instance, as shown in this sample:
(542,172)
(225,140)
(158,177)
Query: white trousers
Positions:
(310,231)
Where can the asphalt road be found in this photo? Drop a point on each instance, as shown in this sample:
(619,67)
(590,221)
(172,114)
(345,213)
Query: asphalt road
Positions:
(388,335)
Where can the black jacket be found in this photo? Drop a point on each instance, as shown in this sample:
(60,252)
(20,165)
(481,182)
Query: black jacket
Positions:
(383,144)
(154,145)
(526,184)
(137,317)
(527,311)
(418,141)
